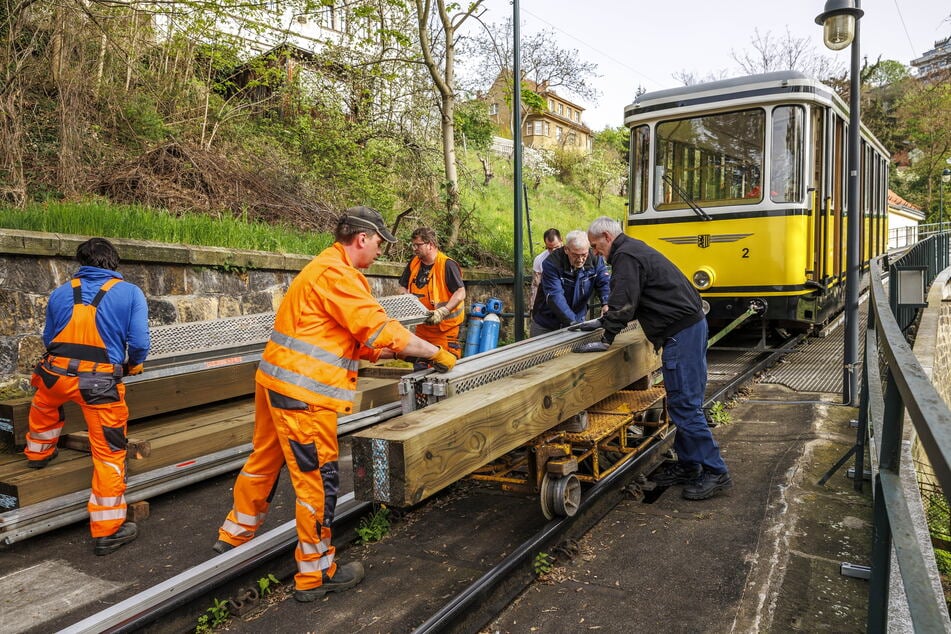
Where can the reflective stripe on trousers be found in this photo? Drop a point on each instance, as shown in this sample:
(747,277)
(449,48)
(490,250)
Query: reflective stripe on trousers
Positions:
(311,460)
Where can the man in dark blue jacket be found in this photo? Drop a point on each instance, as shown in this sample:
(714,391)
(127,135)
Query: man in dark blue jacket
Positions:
(647,286)
(570,276)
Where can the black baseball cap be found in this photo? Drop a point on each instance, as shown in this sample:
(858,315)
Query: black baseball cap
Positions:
(369,218)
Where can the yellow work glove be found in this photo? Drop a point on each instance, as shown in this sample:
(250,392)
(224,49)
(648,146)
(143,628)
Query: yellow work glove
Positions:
(443,361)
(437,315)
(132,370)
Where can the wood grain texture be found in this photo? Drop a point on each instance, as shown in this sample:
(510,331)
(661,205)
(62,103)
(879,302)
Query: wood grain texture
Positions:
(429,449)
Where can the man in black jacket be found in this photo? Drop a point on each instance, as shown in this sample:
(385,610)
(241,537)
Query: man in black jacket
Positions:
(646,286)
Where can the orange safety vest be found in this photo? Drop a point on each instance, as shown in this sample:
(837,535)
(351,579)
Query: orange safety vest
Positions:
(435,292)
(79,347)
(320,330)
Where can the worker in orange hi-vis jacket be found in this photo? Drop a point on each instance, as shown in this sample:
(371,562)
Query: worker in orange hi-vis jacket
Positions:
(436,280)
(91,322)
(326,323)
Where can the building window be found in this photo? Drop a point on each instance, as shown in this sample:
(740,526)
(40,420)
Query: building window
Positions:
(547,129)
(538,128)
(493,108)
(558,133)
(551,105)
(561,109)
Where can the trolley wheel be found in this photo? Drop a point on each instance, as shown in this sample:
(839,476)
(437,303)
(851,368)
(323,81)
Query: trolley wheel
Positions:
(560,495)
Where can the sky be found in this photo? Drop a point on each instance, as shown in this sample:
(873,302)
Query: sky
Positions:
(637,43)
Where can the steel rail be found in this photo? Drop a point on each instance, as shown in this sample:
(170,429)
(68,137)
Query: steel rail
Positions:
(35,519)
(472,609)
(151,604)
(771,357)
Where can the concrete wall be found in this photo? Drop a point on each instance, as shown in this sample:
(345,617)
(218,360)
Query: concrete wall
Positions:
(182,284)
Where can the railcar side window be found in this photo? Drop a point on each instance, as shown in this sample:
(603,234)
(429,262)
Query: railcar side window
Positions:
(640,166)
(785,155)
(711,160)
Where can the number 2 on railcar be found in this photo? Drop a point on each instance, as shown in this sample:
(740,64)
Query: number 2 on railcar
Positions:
(743,184)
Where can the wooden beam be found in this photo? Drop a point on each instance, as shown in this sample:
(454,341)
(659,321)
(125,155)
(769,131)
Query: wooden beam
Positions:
(162,395)
(79,440)
(405,460)
(144,398)
(171,438)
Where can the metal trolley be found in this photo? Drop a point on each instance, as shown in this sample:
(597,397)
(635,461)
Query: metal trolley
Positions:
(585,448)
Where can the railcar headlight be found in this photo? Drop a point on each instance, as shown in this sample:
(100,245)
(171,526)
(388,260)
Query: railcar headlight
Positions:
(703,278)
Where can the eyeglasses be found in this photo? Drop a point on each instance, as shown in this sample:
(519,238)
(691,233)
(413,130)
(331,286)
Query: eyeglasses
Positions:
(416,245)
(578,256)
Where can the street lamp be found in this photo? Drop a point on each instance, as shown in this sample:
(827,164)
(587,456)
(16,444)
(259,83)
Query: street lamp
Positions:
(945,177)
(840,27)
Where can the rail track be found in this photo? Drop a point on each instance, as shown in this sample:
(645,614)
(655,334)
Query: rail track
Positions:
(179,600)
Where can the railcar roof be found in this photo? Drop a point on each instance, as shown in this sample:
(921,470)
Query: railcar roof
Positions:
(722,84)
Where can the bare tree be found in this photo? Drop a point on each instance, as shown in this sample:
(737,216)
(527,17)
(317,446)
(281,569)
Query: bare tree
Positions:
(690,78)
(438,29)
(543,61)
(771,53)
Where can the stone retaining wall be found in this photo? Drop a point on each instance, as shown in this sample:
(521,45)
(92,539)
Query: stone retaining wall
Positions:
(181,283)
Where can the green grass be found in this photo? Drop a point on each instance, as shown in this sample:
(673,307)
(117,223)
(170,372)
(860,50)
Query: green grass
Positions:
(144,223)
(551,205)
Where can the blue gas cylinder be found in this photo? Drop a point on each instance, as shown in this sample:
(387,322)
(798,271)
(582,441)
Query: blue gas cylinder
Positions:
(490,332)
(494,305)
(474,329)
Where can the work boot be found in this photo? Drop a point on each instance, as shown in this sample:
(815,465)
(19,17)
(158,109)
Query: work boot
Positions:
(345,578)
(126,533)
(708,485)
(39,464)
(221,547)
(676,473)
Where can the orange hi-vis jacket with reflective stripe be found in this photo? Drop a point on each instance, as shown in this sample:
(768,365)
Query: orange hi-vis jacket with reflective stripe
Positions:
(435,292)
(79,347)
(327,322)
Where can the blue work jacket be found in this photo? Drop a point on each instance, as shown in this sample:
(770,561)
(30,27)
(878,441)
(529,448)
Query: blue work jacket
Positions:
(565,291)
(122,317)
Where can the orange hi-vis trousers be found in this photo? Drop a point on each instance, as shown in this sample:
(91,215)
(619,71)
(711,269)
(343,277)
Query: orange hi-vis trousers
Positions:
(306,441)
(101,397)
(445,339)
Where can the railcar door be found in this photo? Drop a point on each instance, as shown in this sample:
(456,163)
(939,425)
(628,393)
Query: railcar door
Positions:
(819,191)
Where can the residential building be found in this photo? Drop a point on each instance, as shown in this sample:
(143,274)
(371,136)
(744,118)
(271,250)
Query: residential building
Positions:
(903,221)
(936,63)
(556,124)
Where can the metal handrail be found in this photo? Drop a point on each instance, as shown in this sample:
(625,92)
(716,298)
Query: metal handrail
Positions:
(896,383)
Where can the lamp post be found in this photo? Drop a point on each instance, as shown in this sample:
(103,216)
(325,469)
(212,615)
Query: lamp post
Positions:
(840,27)
(945,177)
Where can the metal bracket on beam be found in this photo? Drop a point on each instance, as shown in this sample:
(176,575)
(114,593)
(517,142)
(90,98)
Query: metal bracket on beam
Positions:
(866,474)
(855,571)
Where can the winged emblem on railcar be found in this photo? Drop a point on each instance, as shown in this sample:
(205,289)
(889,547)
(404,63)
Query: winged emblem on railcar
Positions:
(705,239)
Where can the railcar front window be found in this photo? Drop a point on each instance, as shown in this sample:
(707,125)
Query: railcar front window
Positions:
(785,155)
(711,160)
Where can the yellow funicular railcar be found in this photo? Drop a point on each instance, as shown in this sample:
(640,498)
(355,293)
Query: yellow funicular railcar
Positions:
(743,183)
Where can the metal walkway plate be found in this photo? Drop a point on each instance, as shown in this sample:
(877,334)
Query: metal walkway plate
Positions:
(818,365)
(246,332)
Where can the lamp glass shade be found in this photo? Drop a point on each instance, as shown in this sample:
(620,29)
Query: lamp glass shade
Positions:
(946,176)
(838,31)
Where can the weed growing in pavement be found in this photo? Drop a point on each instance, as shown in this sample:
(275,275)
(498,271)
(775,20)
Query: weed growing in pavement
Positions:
(374,527)
(217,615)
(719,414)
(266,584)
(543,564)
